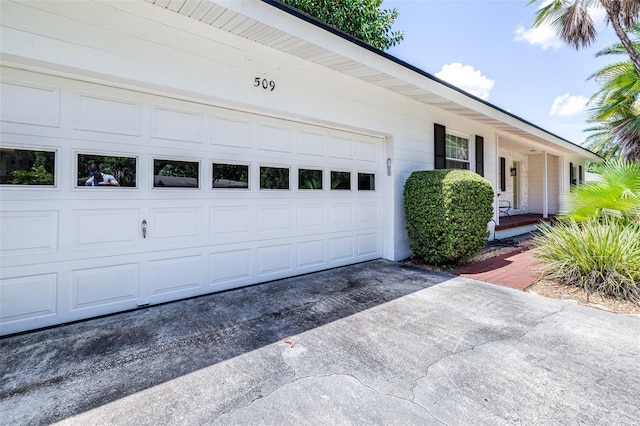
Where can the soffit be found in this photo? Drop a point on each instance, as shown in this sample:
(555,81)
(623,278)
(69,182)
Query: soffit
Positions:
(510,127)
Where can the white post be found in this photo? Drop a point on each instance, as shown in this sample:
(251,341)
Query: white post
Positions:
(545,189)
(497,181)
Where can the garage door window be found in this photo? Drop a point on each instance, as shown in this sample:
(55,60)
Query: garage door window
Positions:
(366,182)
(27,167)
(230,176)
(274,178)
(123,169)
(309,179)
(175,174)
(340,180)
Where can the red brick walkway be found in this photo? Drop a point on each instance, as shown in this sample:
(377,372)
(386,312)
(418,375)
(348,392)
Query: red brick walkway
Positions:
(509,270)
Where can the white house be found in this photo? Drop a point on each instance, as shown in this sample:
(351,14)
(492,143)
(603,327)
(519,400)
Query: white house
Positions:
(251,143)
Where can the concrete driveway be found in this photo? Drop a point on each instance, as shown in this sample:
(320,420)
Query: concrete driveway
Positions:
(374,343)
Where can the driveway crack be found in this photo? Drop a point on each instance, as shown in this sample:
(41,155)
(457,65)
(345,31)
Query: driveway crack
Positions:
(323,376)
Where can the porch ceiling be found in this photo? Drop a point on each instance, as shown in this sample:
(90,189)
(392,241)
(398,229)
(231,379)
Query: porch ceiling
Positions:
(382,69)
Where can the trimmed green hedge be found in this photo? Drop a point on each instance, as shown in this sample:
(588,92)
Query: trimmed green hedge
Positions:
(446,213)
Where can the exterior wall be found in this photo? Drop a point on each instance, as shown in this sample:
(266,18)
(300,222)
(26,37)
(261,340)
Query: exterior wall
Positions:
(146,48)
(536,183)
(553,184)
(139,46)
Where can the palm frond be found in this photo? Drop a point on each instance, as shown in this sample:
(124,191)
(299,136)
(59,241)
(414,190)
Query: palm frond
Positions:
(629,12)
(578,28)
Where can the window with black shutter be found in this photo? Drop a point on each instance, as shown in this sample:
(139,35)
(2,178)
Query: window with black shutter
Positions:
(503,177)
(572,174)
(580,175)
(440,159)
(480,155)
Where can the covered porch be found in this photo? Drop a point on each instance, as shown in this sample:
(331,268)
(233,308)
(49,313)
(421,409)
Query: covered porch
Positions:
(531,181)
(519,224)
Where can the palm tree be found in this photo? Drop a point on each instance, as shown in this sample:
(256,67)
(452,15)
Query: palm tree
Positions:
(616,194)
(616,109)
(574,24)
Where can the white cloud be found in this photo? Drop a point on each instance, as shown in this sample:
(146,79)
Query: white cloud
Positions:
(542,36)
(466,78)
(567,105)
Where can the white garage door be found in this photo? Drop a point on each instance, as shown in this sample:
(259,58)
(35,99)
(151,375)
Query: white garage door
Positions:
(227,199)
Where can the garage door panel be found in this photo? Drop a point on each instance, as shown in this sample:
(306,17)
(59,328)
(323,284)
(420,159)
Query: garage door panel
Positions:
(92,287)
(105,227)
(42,290)
(28,232)
(312,144)
(173,278)
(106,114)
(175,223)
(368,151)
(311,253)
(341,248)
(28,103)
(368,214)
(230,220)
(272,138)
(177,124)
(368,244)
(275,218)
(232,132)
(311,217)
(274,258)
(230,266)
(341,215)
(341,147)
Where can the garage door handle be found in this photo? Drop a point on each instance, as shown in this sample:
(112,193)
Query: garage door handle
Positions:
(144,228)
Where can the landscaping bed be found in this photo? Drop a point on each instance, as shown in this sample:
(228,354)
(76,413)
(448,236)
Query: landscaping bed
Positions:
(546,288)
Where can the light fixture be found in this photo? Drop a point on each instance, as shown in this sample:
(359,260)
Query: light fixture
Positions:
(388,166)
(513,171)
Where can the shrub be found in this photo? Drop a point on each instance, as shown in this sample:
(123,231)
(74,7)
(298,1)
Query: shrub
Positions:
(447,212)
(601,256)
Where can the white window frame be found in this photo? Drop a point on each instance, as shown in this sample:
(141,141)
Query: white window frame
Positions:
(467,162)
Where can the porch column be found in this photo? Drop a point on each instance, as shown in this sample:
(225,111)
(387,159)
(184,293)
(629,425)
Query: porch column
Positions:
(497,181)
(545,189)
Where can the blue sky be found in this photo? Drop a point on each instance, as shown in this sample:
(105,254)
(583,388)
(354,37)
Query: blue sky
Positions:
(488,48)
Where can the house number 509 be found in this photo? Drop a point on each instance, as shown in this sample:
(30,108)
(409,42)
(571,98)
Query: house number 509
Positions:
(264,83)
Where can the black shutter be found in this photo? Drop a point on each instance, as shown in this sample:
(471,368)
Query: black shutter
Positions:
(439,138)
(480,155)
(572,175)
(580,176)
(503,171)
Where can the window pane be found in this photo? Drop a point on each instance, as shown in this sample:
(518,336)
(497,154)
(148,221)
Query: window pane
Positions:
(175,174)
(26,167)
(457,148)
(453,164)
(366,182)
(230,176)
(274,178)
(340,180)
(121,169)
(309,179)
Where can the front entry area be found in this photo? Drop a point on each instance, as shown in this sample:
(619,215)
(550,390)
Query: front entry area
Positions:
(209,198)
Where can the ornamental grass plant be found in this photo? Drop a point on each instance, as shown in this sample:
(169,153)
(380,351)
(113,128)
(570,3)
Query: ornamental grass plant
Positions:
(596,245)
(597,255)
